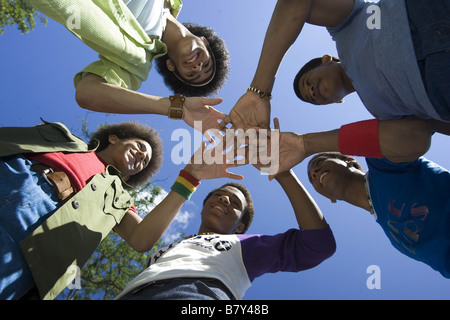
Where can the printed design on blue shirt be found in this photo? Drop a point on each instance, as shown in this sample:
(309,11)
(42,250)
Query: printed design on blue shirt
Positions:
(404,226)
(208,242)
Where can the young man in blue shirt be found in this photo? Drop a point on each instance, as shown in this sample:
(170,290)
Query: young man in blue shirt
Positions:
(407,194)
(398,66)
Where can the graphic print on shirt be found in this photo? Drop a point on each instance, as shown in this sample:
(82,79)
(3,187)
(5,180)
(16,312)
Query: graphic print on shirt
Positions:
(405,224)
(208,242)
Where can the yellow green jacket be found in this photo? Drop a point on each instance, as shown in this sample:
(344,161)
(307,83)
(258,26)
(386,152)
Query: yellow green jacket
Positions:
(125,51)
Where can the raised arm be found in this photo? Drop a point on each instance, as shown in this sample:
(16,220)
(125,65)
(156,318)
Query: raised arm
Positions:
(142,234)
(307,213)
(293,250)
(94,93)
(253,108)
(285,25)
(288,19)
(401,140)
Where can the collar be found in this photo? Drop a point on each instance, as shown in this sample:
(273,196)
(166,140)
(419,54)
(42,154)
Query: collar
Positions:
(369,199)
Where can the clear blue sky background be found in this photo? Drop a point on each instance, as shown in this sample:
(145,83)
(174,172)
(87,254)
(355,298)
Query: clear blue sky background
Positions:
(36,81)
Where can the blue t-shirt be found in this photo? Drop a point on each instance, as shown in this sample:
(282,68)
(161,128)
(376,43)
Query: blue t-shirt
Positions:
(375,47)
(412,204)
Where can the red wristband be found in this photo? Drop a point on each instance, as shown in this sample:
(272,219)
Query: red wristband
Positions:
(360,139)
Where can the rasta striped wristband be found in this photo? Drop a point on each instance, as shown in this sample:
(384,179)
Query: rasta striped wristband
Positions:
(185,184)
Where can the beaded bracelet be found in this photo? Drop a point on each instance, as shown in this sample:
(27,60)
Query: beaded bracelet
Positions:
(261,93)
(185,184)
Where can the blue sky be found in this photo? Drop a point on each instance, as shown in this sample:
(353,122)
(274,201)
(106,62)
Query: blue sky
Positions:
(36,81)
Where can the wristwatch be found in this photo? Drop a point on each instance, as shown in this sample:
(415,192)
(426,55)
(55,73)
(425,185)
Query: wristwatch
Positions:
(176,110)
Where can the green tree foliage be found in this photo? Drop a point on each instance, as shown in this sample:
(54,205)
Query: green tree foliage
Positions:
(16,12)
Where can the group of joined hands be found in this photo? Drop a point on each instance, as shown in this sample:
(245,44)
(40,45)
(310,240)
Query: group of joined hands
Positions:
(251,112)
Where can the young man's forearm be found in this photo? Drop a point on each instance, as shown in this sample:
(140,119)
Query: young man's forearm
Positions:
(316,142)
(307,213)
(285,25)
(95,94)
(400,140)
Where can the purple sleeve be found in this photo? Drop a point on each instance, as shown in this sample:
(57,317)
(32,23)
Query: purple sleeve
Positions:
(293,250)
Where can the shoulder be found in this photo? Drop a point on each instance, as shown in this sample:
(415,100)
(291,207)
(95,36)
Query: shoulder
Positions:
(346,13)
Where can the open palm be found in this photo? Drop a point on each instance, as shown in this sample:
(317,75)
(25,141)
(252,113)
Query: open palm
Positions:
(200,109)
(250,111)
(288,152)
(213,163)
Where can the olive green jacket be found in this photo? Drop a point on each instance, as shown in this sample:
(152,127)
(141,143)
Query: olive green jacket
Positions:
(69,236)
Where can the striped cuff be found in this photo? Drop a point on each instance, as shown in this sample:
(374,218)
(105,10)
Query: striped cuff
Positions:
(185,184)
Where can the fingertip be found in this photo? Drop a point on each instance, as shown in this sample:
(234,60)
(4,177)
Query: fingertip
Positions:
(208,137)
(224,122)
(276,123)
(216,101)
(234,176)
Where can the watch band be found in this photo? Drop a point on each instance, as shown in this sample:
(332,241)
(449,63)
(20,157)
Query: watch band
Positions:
(176,110)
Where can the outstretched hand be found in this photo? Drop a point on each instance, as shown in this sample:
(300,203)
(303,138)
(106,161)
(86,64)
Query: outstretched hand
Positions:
(213,163)
(250,111)
(200,109)
(291,149)
(288,151)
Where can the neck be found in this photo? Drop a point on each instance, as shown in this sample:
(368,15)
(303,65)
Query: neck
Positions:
(199,234)
(173,32)
(203,230)
(356,194)
(105,156)
(348,85)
